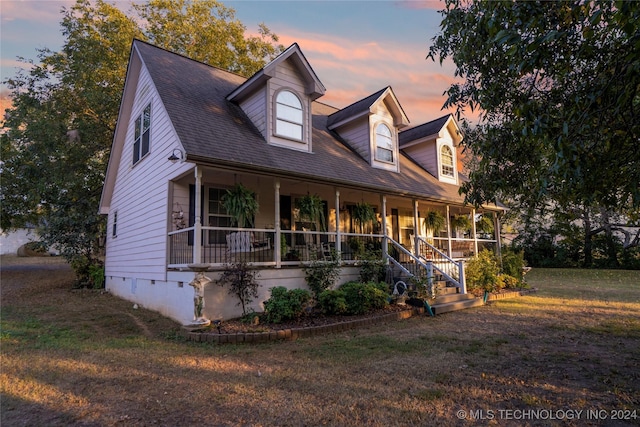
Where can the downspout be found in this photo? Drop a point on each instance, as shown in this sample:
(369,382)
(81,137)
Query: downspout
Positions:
(276,245)
(197,226)
(338,236)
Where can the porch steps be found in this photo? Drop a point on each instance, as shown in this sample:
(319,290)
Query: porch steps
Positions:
(445,303)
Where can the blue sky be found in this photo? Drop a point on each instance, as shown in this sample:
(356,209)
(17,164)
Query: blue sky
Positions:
(355,47)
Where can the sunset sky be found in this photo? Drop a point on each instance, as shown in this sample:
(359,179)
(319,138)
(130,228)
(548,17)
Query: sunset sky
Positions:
(355,47)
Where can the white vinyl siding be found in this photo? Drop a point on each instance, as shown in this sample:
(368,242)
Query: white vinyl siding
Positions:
(425,155)
(255,107)
(140,248)
(282,133)
(356,133)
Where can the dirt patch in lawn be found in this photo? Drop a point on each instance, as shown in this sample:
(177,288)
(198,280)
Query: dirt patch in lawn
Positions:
(86,358)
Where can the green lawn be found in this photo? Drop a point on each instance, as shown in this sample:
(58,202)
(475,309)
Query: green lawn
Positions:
(601,285)
(88,358)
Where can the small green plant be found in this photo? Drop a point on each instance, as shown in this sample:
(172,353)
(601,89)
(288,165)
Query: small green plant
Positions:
(364,297)
(481,272)
(321,275)
(332,301)
(425,285)
(357,246)
(96,275)
(372,267)
(286,304)
(242,283)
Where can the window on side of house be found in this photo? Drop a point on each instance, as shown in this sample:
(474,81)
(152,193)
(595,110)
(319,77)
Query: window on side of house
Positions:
(217,215)
(289,116)
(114,225)
(141,134)
(384,143)
(446,161)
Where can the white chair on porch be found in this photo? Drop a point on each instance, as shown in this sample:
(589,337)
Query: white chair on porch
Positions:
(245,241)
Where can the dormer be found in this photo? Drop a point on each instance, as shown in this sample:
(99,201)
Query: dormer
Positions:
(433,145)
(278,99)
(371,127)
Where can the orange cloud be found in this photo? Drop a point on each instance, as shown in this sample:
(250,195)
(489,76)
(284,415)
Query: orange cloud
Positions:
(422,4)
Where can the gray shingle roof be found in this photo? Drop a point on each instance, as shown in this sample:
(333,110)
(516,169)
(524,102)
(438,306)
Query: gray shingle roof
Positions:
(355,108)
(216,131)
(423,130)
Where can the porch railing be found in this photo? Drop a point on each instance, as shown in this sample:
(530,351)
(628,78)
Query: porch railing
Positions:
(450,269)
(217,247)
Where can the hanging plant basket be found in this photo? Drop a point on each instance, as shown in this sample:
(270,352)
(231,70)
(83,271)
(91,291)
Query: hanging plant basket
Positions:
(461,223)
(363,214)
(241,204)
(311,209)
(434,221)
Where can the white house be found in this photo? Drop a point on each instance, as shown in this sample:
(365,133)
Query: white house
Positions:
(187,132)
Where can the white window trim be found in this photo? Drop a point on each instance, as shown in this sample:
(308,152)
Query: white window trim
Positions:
(114,224)
(141,117)
(394,143)
(442,177)
(303,125)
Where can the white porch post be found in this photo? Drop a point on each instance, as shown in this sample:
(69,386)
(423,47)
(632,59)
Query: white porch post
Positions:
(416,228)
(449,233)
(338,236)
(197,226)
(473,230)
(383,203)
(277,248)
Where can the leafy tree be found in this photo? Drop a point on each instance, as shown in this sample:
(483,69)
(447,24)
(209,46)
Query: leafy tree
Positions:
(208,31)
(58,132)
(556,84)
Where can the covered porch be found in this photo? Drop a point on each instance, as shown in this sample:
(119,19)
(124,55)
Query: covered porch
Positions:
(200,231)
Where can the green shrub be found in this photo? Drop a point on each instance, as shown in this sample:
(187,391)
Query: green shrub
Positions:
(372,266)
(96,274)
(513,263)
(242,283)
(321,275)
(332,301)
(481,272)
(286,304)
(506,281)
(364,297)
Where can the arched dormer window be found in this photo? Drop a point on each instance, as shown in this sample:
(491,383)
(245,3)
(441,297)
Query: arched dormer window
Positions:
(289,117)
(384,143)
(446,161)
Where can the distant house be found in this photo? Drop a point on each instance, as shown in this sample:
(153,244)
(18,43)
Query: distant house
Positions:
(187,132)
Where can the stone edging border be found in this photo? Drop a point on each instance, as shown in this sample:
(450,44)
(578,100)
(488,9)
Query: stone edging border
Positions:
(511,294)
(296,333)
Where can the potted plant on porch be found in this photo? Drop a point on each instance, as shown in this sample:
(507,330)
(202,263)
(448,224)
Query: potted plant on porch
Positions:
(311,209)
(363,214)
(241,205)
(461,223)
(434,221)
